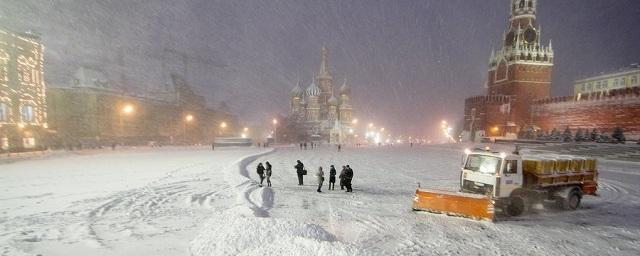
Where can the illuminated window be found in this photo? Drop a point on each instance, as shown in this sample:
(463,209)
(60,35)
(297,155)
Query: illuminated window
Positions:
(634,80)
(4,112)
(26,112)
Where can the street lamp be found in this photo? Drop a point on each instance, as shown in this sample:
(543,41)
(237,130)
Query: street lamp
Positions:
(354,121)
(223,125)
(187,119)
(275,131)
(370,125)
(127,109)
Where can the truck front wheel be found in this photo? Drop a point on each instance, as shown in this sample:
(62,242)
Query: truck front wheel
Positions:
(517,206)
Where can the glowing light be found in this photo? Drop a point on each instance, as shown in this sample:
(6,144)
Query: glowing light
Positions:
(246,129)
(370,125)
(487,148)
(354,121)
(351,130)
(503,154)
(467,151)
(223,125)
(188,118)
(495,129)
(127,109)
(243,136)
(382,129)
(21,125)
(275,121)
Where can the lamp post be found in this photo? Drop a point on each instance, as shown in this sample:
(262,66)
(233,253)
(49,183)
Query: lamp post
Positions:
(187,119)
(275,131)
(223,125)
(127,109)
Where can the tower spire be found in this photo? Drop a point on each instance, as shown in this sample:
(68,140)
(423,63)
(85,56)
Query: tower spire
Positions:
(324,64)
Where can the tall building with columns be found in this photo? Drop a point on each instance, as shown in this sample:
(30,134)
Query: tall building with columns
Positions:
(323,113)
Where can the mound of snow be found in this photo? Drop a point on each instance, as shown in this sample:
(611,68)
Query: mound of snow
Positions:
(234,234)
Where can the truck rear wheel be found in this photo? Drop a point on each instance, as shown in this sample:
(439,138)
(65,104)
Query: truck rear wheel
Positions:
(517,206)
(571,201)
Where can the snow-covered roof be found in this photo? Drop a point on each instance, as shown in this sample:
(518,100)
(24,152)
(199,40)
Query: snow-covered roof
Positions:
(313,90)
(296,91)
(345,89)
(332,101)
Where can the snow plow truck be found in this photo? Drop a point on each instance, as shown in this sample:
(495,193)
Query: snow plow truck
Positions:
(493,182)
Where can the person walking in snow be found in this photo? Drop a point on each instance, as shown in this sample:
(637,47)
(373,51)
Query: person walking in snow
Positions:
(348,177)
(332,178)
(339,147)
(320,177)
(300,171)
(260,171)
(342,177)
(267,172)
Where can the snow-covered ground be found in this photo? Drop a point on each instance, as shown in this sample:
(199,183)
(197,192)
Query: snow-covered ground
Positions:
(186,201)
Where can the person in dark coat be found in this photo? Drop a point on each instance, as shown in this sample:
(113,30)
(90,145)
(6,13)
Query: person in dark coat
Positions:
(260,171)
(320,177)
(348,178)
(267,173)
(300,171)
(342,177)
(332,178)
(339,147)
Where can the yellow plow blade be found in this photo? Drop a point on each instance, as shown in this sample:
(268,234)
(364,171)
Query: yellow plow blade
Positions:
(454,203)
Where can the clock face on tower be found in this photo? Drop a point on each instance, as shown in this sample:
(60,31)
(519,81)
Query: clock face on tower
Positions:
(530,35)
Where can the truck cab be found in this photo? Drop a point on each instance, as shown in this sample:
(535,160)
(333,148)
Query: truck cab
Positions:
(490,173)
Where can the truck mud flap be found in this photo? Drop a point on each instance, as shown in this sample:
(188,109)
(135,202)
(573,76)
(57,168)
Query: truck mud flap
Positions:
(460,204)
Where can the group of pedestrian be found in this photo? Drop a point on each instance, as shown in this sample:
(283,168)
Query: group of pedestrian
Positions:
(264,172)
(305,145)
(346,175)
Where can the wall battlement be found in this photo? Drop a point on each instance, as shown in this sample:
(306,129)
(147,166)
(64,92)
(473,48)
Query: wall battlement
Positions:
(623,93)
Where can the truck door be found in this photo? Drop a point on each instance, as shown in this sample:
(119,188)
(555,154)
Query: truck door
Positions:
(511,178)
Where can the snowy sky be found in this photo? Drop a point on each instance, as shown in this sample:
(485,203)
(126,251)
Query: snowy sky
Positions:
(410,63)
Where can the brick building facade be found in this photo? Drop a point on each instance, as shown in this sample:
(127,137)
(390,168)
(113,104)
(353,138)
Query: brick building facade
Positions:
(90,113)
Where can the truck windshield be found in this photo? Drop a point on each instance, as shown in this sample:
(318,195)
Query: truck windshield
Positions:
(483,163)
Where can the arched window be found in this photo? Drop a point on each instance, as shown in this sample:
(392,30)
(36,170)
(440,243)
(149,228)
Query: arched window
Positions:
(530,4)
(522,4)
(27,113)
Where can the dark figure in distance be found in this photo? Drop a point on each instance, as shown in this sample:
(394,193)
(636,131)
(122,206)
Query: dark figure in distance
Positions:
(332,178)
(347,178)
(300,171)
(300,145)
(342,177)
(305,146)
(339,147)
(260,171)
(320,176)
(268,173)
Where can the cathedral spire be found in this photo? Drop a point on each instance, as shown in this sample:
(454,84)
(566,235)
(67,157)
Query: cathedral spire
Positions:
(324,65)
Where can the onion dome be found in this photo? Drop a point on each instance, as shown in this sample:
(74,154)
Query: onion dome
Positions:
(313,90)
(345,89)
(296,91)
(333,101)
